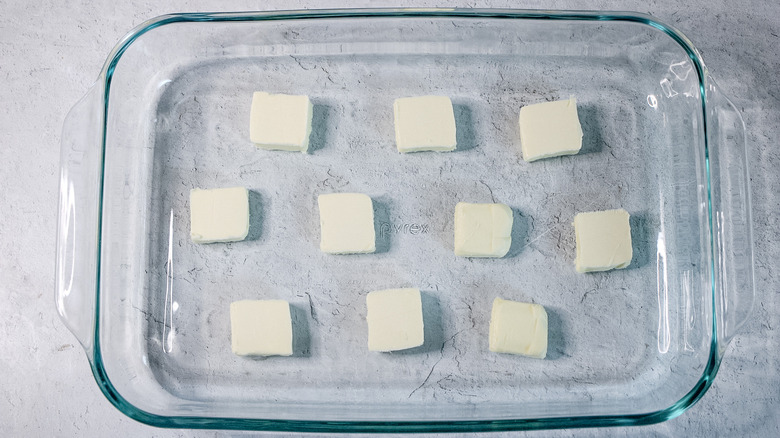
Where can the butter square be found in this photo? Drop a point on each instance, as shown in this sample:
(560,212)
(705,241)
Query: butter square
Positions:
(395,319)
(346,223)
(280,121)
(518,328)
(424,123)
(261,328)
(482,230)
(550,129)
(603,240)
(219,215)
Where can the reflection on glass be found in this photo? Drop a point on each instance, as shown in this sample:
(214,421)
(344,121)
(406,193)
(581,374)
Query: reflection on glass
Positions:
(652,101)
(681,69)
(664,337)
(69,228)
(168,330)
(690,317)
(666,86)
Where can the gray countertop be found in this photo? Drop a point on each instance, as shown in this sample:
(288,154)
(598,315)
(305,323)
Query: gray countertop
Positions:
(51,52)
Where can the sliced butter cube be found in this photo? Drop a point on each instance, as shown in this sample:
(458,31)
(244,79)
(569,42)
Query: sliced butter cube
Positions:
(261,328)
(219,215)
(482,230)
(518,328)
(603,240)
(550,129)
(395,319)
(346,223)
(280,121)
(425,123)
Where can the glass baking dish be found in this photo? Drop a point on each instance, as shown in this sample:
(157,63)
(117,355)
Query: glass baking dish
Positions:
(169,112)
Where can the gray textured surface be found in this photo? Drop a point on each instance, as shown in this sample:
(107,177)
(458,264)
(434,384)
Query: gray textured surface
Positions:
(51,53)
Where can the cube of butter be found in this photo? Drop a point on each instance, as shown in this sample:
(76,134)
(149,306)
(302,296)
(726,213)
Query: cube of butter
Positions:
(482,230)
(346,223)
(219,215)
(280,121)
(603,240)
(261,328)
(395,319)
(550,129)
(518,328)
(424,123)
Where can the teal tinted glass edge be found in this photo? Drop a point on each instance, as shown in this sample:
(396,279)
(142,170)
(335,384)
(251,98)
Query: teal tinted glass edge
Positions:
(688,400)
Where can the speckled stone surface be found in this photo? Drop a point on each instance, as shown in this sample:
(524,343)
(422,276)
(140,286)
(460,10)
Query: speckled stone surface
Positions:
(49,55)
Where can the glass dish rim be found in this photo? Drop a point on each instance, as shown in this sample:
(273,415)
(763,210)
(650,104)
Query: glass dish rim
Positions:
(195,422)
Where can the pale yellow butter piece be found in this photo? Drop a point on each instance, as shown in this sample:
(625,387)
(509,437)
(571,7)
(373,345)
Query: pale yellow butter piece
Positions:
(219,215)
(424,123)
(603,240)
(261,328)
(280,121)
(346,223)
(395,319)
(550,129)
(482,230)
(518,328)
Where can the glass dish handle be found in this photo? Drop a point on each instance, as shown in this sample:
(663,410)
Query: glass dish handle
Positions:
(731,222)
(79,207)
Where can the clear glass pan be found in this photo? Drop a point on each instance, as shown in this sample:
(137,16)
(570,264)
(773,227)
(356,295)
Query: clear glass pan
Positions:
(170,111)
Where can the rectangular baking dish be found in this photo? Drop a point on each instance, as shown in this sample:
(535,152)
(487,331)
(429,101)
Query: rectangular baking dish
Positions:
(169,112)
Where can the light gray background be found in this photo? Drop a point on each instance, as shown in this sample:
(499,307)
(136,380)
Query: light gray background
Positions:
(50,53)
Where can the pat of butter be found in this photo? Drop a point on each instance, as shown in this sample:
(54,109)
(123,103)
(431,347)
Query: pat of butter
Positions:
(280,121)
(346,223)
(482,230)
(518,328)
(219,215)
(550,129)
(395,319)
(424,123)
(261,328)
(603,240)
